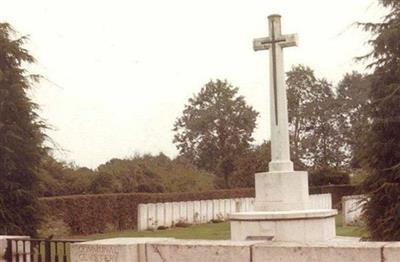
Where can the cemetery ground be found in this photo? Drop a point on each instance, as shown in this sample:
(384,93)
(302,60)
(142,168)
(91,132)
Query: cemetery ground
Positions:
(211,231)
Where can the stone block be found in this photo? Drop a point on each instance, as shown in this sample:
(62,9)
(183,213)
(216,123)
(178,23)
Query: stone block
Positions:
(199,251)
(142,217)
(228,208)
(298,226)
(204,211)
(222,212)
(160,215)
(210,210)
(183,211)
(112,250)
(197,212)
(352,210)
(151,216)
(168,214)
(317,252)
(391,252)
(190,212)
(281,191)
(175,212)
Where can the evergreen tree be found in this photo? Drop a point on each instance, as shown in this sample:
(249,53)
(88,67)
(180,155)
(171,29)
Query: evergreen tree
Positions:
(21,138)
(382,148)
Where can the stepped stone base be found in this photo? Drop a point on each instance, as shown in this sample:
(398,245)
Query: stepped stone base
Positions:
(297,226)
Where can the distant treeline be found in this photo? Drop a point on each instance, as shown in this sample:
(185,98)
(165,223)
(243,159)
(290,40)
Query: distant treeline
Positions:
(144,174)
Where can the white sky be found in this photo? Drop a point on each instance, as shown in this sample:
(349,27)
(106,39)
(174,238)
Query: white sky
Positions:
(119,72)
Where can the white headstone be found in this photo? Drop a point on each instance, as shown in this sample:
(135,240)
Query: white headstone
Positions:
(183,211)
(151,216)
(190,212)
(142,217)
(176,212)
(210,210)
(204,210)
(168,214)
(160,214)
(197,212)
(216,211)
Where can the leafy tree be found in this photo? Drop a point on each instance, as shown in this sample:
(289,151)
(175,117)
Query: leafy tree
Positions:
(313,124)
(21,138)
(215,129)
(352,99)
(381,154)
(254,160)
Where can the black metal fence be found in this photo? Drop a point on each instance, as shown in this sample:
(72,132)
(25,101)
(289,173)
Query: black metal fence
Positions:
(38,250)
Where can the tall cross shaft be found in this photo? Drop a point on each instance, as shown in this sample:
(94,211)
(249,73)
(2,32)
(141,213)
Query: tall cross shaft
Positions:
(280,154)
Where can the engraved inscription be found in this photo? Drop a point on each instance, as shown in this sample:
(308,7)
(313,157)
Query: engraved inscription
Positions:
(97,254)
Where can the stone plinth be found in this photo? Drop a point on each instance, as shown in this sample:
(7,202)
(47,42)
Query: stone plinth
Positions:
(281,191)
(298,226)
(114,249)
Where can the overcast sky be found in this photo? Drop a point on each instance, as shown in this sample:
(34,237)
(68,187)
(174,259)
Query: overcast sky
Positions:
(118,73)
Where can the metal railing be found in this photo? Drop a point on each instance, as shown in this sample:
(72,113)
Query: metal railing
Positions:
(38,250)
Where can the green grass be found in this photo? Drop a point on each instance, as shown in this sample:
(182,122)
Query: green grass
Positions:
(211,231)
(348,231)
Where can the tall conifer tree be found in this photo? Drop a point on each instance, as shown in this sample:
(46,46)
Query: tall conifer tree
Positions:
(382,148)
(21,138)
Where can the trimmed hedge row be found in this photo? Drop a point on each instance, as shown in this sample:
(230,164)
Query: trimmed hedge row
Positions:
(89,214)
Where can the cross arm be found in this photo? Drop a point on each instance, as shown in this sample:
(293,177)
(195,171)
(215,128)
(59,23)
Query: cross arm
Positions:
(265,43)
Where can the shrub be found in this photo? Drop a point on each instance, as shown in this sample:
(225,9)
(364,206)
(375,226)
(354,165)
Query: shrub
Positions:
(322,177)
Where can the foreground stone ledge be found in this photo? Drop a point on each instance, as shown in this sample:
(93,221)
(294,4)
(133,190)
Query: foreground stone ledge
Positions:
(334,251)
(391,251)
(341,249)
(199,250)
(112,250)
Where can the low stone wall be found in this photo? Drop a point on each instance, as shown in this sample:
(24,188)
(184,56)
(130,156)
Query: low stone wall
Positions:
(151,216)
(352,210)
(172,250)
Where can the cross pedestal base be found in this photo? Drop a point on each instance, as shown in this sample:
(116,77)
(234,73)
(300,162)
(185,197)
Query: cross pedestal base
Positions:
(281,191)
(294,226)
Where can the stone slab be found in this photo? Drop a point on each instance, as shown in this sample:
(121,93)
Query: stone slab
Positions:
(299,226)
(391,252)
(151,216)
(142,217)
(112,250)
(168,214)
(199,251)
(284,215)
(352,210)
(281,191)
(317,252)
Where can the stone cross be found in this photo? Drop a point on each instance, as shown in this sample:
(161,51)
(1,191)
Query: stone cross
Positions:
(280,153)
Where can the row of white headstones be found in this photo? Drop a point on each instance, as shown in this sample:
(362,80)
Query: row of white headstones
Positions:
(153,215)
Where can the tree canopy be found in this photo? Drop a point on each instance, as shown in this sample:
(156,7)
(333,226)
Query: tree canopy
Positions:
(215,129)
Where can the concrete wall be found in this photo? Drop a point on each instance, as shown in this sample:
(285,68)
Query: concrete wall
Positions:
(152,216)
(172,250)
(352,210)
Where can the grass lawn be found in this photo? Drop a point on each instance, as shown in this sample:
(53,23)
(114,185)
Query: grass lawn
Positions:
(210,231)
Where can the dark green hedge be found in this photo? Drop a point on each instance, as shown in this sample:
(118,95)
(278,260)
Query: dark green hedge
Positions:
(88,214)
(323,177)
